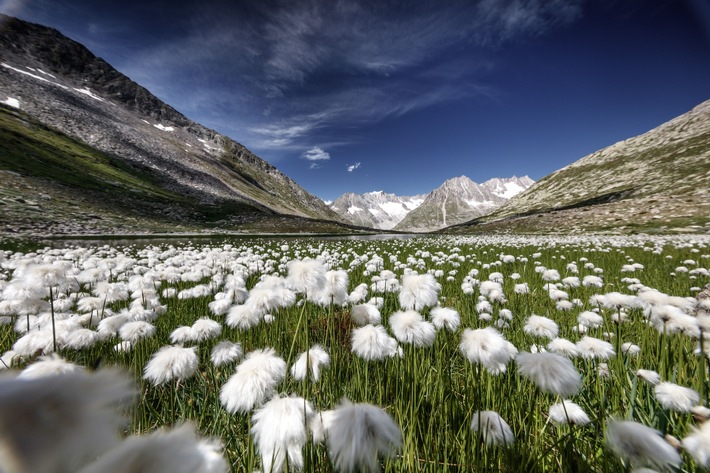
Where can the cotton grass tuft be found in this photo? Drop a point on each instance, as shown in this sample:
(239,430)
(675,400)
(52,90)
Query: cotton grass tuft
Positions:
(171,363)
(492,428)
(279,431)
(359,435)
(641,445)
(254,381)
(551,372)
(58,423)
(487,347)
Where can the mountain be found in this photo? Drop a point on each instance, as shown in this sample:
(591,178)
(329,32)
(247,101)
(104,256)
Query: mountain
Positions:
(460,199)
(457,200)
(375,209)
(655,182)
(509,187)
(84,148)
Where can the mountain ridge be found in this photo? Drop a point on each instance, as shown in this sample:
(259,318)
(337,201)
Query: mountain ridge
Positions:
(430,211)
(657,181)
(460,199)
(63,85)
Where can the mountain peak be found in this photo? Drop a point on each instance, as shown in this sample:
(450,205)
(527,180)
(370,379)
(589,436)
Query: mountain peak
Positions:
(456,200)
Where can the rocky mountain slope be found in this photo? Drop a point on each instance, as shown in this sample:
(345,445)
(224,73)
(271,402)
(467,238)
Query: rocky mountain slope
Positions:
(375,209)
(658,181)
(459,200)
(57,96)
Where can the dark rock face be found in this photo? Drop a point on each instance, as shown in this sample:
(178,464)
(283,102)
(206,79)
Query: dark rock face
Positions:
(48,48)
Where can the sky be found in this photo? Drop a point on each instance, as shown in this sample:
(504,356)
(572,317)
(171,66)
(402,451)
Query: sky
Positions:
(359,96)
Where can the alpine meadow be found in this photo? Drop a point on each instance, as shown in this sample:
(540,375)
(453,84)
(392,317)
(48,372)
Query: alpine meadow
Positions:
(355,236)
(427,353)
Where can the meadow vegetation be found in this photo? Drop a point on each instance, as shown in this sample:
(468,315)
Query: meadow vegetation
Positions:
(421,354)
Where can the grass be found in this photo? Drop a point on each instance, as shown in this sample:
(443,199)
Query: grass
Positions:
(432,393)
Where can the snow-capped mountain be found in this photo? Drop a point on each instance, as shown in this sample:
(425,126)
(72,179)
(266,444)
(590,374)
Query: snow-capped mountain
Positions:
(455,201)
(460,199)
(375,209)
(509,187)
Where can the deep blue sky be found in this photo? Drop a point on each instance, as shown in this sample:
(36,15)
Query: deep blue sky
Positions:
(400,96)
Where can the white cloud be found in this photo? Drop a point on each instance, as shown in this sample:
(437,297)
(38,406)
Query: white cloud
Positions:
(317,65)
(316,154)
(352,167)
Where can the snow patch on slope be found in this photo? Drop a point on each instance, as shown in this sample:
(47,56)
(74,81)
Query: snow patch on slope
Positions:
(12,102)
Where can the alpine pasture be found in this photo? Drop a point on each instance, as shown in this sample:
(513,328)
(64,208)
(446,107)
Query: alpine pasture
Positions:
(506,353)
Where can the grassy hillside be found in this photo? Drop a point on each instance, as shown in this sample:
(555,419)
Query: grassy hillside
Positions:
(658,181)
(53,183)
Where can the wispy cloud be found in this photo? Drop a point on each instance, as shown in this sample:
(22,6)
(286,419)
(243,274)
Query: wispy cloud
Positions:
(281,74)
(352,167)
(316,154)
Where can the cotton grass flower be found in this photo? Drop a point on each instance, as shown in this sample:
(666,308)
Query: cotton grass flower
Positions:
(488,287)
(409,327)
(57,423)
(594,348)
(81,338)
(8,359)
(205,329)
(178,450)
(697,444)
(562,346)
(630,349)
(359,435)
(641,445)
(592,281)
(487,347)
(445,317)
(171,363)
(123,347)
(49,365)
(225,352)
(539,326)
(492,428)
(521,288)
(552,373)
(244,316)
(110,326)
(279,431)
(372,342)
(254,381)
(307,276)
(567,412)
(418,291)
(650,376)
(590,319)
(311,362)
(364,314)
(37,341)
(334,291)
(182,334)
(675,398)
(135,331)
(320,425)
(700,413)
